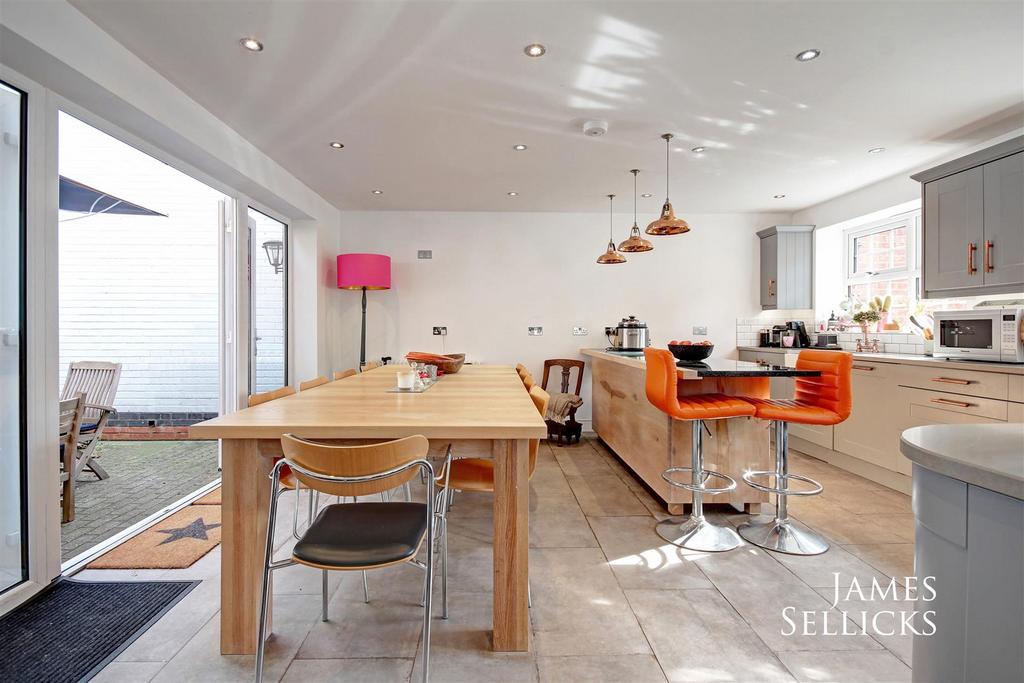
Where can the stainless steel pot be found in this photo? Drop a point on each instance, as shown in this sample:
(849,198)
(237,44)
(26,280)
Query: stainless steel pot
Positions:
(629,335)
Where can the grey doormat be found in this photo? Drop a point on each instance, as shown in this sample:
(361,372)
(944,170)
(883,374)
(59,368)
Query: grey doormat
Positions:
(73,629)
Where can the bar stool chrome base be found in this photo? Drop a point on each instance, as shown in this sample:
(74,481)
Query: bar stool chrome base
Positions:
(696,533)
(783,537)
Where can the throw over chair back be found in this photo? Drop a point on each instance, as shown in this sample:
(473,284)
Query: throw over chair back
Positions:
(310,383)
(833,391)
(98,380)
(342,374)
(354,461)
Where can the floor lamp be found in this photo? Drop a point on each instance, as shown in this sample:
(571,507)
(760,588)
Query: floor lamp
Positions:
(364,271)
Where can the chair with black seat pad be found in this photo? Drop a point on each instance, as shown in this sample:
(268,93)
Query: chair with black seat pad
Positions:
(361,536)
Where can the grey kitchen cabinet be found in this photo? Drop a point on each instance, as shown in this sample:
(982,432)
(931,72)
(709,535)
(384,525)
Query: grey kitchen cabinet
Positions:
(787,260)
(955,211)
(1003,259)
(973,235)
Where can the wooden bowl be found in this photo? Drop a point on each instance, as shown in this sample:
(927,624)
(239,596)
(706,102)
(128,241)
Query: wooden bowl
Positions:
(453,365)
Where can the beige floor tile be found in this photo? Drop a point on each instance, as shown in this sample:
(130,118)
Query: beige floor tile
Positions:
(641,559)
(172,632)
(302,580)
(348,671)
(895,560)
(200,660)
(856,529)
(818,571)
(578,607)
(605,495)
(553,524)
(848,667)
(388,626)
(697,636)
(597,669)
(128,672)
(460,647)
(881,618)
(581,461)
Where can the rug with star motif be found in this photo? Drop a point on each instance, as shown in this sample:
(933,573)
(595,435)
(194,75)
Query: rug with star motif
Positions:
(173,543)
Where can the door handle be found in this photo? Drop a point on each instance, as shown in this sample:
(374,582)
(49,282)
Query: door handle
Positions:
(771,287)
(988,256)
(951,380)
(947,402)
(971,248)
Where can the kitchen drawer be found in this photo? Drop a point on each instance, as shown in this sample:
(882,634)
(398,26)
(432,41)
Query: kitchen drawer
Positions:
(1016,383)
(955,381)
(923,402)
(875,369)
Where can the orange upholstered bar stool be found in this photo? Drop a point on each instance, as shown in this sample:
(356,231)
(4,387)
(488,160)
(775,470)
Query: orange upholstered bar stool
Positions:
(821,400)
(693,532)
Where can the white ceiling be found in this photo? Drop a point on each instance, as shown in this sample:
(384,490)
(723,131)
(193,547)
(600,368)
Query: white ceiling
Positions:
(429,97)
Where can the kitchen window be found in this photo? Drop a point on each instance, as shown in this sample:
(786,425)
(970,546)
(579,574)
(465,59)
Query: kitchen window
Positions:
(882,260)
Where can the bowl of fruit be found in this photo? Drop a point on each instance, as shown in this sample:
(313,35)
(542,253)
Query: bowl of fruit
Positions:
(690,352)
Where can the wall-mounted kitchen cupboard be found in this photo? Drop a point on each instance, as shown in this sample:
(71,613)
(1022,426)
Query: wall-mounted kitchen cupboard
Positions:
(973,236)
(787,266)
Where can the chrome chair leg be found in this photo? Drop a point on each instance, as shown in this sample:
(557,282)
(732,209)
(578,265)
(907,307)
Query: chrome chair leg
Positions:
(529,595)
(444,569)
(695,532)
(323,597)
(780,533)
(428,585)
(268,557)
(366,588)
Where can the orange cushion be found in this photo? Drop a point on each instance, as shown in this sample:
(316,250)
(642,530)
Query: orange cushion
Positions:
(711,407)
(794,411)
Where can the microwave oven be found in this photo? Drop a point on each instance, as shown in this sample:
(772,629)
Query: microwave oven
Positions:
(988,334)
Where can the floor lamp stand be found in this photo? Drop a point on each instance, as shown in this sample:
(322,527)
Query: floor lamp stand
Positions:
(362,336)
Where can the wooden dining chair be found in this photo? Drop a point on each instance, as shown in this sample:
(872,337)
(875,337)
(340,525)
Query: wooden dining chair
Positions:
(570,429)
(72,411)
(361,536)
(371,364)
(311,383)
(288,481)
(520,368)
(342,374)
(528,381)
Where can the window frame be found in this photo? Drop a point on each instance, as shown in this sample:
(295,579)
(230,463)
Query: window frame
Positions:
(912,272)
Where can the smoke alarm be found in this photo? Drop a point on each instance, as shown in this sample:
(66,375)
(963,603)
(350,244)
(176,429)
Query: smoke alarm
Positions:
(595,128)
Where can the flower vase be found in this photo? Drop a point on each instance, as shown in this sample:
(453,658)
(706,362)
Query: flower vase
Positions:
(864,331)
(883,320)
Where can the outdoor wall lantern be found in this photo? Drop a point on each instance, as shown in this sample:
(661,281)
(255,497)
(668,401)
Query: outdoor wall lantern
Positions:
(275,254)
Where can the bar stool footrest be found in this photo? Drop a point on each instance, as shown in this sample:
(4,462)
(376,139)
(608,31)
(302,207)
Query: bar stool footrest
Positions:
(748,477)
(701,487)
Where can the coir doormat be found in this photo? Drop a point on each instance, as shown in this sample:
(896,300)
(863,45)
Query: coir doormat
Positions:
(174,543)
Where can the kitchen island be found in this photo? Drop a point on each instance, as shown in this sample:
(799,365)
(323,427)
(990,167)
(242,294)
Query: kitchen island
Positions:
(648,441)
(969,547)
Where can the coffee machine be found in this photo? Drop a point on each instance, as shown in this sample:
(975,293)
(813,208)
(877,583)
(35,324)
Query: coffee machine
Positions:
(802,340)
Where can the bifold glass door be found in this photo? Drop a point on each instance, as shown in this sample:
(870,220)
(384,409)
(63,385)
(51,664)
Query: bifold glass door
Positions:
(268,301)
(13,514)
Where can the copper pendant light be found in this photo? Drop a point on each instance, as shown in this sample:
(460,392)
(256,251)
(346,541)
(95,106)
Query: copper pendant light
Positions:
(610,255)
(635,243)
(667,223)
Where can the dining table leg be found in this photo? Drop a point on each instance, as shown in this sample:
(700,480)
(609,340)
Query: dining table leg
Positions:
(511,545)
(245,509)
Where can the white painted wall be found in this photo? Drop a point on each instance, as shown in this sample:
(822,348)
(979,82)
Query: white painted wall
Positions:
(494,274)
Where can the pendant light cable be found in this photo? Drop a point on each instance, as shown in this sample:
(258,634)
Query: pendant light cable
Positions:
(668,137)
(611,218)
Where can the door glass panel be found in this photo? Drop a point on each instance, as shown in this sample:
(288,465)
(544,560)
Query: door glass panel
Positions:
(12,454)
(268,288)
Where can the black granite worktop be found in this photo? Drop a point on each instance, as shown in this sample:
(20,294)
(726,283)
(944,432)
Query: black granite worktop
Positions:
(718,367)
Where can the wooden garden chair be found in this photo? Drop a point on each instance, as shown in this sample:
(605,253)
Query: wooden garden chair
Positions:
(98,380)
(70,421)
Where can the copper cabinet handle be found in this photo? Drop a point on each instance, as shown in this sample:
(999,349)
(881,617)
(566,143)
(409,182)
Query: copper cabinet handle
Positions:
(771,287)
(951,380)
(947,402)
(863,367)
(971,248)
(988,256)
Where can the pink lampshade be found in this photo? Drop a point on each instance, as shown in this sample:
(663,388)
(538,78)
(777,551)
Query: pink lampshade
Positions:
(356,271)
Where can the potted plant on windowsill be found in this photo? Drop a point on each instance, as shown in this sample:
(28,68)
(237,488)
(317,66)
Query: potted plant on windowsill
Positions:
(881,307)
(865,318)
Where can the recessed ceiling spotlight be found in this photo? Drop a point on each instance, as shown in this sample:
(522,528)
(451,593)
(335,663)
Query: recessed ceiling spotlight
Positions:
(251,44)
(337,145)
(377,191)
(535,50)
(807,55)
(876,150)
(778,196)
(647,194)
(697,150)
(512,194)
(519,148)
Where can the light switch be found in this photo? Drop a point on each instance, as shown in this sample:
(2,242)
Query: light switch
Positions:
(535,331)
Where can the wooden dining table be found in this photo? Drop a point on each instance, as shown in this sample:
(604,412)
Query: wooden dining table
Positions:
(485,403)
